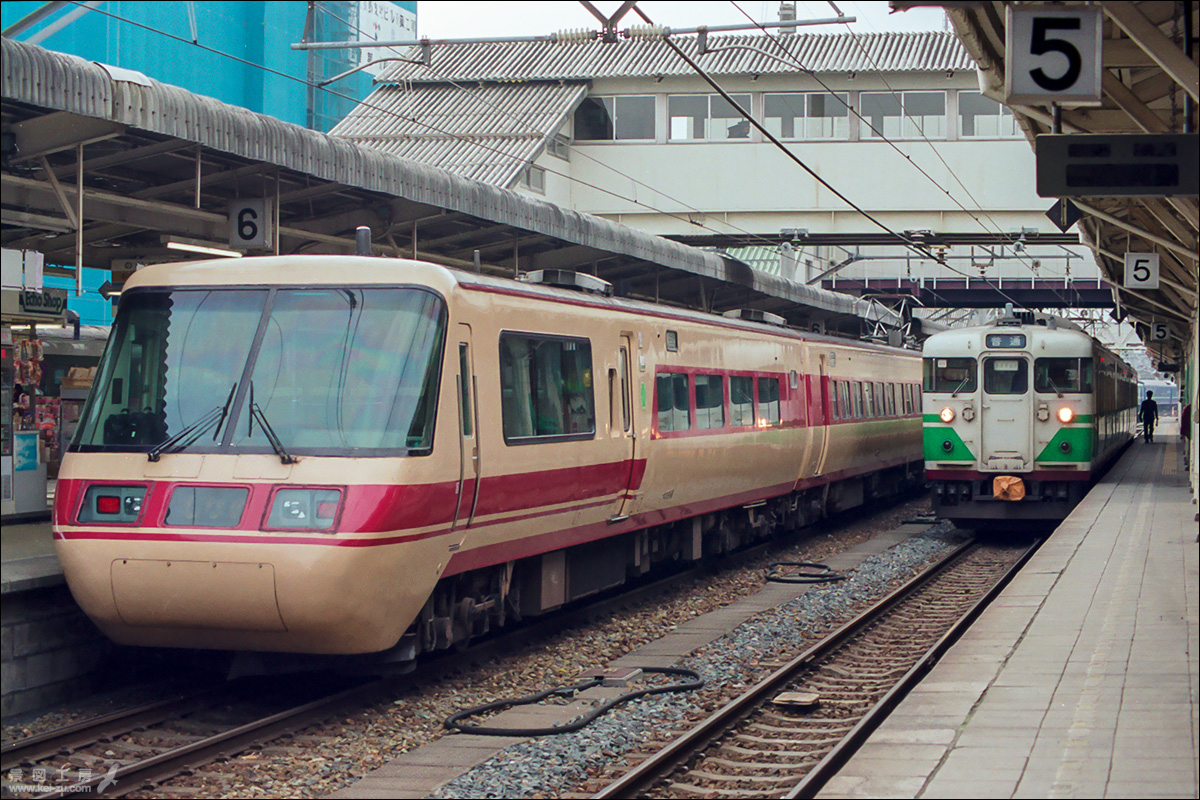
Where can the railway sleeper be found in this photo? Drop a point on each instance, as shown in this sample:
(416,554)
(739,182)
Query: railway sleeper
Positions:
(752,780)
(759,766)
(715,791)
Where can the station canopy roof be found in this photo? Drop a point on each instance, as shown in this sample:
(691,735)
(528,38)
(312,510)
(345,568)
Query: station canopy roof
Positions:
(106,167)
(1147,74)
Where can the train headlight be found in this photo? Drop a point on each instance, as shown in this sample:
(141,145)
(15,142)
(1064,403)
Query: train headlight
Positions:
(1065,415)
(947,414)
(304,509)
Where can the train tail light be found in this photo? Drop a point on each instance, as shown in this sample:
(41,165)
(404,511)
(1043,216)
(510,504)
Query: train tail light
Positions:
(304,509)
(1065,415)
(122,504)
(947,414)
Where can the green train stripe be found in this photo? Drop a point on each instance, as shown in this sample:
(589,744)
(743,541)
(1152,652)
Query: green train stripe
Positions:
(1078,442)
(934,439)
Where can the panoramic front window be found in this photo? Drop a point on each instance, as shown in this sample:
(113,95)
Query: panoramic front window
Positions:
(611,118)
(337,371)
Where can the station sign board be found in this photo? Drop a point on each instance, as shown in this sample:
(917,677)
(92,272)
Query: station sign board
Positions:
(1053,55)
(1141,271)
(1117,165)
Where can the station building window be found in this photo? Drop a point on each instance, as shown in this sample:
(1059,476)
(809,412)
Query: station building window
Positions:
(981,117)
(904,115)
(615,118)
(546,388)
(814,115)
(706,117)
(671,402)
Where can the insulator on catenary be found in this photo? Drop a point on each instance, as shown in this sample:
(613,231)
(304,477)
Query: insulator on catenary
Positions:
(580,35)
(647,32)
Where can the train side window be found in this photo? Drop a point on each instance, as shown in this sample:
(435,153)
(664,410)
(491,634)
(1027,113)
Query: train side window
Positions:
(834,409)
(1005,375)
(671,402)
(546,388)
(710,402)
(847,404)
(868,400)
(856,395)
(741,401)
(768,401)
(464,387)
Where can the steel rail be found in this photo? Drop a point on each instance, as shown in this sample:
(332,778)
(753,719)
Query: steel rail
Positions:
(833,761)
(635,782)
(89,731)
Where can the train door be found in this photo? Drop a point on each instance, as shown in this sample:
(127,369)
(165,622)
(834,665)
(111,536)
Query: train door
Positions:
(823,431)
(622,423)
(468,429)
(1006,417)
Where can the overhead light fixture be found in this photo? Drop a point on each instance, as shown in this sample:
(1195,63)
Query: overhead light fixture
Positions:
(207,250)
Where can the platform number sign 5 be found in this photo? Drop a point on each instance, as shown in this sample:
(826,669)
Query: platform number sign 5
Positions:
(1141,271)
(1053,55)
(250,224)
(1159,332)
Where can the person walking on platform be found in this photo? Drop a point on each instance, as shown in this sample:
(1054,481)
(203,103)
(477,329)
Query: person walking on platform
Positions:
(1148,414)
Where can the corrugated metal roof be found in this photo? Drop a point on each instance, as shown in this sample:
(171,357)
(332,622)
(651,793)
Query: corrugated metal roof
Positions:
(39,78)
(487,133)
(730,55)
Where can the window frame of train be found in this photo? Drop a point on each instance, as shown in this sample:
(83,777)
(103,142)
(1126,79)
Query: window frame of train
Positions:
(770,411)
(992,372)
(932,382)
(1083,383)
(709,417)
(741,388)
(578,369)
(672,384)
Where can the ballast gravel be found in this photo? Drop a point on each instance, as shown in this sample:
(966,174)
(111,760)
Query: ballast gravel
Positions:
(542,767)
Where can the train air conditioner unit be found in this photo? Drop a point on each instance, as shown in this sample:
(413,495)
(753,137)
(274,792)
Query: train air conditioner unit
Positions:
(754,315)
(567,279)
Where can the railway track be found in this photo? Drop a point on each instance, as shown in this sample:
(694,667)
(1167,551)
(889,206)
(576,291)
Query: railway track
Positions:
(190,732)
(788,734)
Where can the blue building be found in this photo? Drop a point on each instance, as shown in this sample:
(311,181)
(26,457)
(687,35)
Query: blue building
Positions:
(238,51)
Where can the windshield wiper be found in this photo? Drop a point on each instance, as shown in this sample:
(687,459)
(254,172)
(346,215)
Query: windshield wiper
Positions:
(957,388)
(256,412)
(215,417)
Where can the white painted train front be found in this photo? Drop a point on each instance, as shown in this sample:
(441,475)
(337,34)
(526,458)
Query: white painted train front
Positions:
(1020,416)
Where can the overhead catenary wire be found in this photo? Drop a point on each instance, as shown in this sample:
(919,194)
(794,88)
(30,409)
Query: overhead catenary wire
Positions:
(388,112)
(478,96)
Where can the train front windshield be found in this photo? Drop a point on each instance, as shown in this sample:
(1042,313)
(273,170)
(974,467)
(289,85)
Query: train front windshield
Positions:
(336,371)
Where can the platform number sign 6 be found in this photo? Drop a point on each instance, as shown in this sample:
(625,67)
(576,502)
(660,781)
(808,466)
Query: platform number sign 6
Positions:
(1141,271)
(250,224)
(1053,55)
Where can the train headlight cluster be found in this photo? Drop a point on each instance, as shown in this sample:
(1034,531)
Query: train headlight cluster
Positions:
(304,509)
(1065,415)
(947,414)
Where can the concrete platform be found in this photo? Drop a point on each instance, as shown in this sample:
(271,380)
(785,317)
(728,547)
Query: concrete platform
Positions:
(1082,679)
(29,561)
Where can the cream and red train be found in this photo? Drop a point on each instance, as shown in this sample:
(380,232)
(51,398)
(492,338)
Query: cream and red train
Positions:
(1021,416)
(349,455)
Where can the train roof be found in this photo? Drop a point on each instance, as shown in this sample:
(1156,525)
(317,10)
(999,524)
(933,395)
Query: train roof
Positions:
(342,270)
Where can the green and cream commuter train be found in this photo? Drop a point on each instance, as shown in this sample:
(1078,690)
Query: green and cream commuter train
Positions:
(1021,415)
